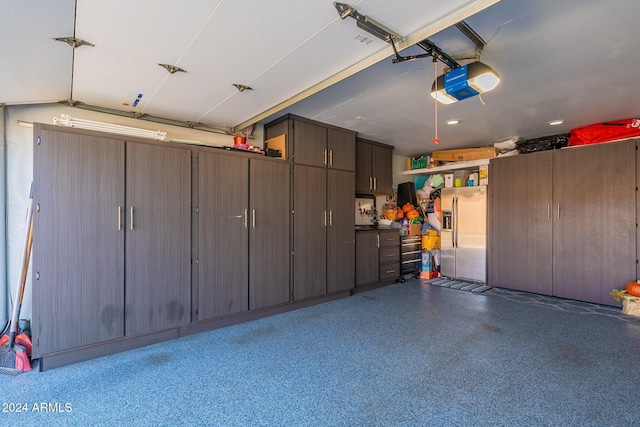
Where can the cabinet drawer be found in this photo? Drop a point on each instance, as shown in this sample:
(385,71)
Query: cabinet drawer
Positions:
(389,255)
(389,271)
(389,238)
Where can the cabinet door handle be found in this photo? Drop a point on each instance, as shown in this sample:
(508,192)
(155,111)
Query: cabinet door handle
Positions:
(330,218)
(119,218)
(325,157)
(331,157)
(131,217)
(253,218)
(378,240)
(375,183)
(245,218)
(549,210)
(370,183)
(325,218)
(558,210)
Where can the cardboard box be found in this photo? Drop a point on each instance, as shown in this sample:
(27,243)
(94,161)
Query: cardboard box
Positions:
(415,229)
(465,154)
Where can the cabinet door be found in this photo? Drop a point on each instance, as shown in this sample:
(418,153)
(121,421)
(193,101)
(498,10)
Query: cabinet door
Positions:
(78,256)
(342,150)
(158,238)
(309,232)
(594,221)
(381,166)
(269,233)
(223,253)
(364,175)
(341,231)
(309,144)
(520,228)
(367,264)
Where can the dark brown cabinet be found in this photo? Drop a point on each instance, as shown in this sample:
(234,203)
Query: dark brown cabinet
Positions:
(389,254)
(594,221)
(373,167)
(377,256)
(310,219)
(313,143)
(340,231)
(243,229)
(520,225)
(113,252)
(158,241)
(269,233)
(223,244)
(367,258)
(323,231)
(78,261)
(323,187)
(563,223)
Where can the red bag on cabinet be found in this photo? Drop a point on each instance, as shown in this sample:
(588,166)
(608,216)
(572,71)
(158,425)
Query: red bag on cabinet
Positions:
(605,132)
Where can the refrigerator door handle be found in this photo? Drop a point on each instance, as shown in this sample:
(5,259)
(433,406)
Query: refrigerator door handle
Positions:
(455,222)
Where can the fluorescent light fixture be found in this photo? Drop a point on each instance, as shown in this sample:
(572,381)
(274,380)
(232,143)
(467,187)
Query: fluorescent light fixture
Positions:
(70,122)
(464,82)
(453,121)
(555,122)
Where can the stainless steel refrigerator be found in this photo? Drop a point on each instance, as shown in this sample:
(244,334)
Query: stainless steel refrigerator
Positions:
(464,233)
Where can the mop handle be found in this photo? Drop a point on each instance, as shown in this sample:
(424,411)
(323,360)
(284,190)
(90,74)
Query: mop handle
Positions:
(24,260)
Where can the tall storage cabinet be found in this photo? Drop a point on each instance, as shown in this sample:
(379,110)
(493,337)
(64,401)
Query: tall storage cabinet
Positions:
(223,244)
(340,231)
(112,224)
(158,241)
(323,184)
(269,243)
(594,221)
(310,219)
(243,234)
(78,260)
(563,223)
(520,225)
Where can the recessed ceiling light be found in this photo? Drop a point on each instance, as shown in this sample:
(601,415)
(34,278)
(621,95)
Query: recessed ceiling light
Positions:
(555,122)
(453,121)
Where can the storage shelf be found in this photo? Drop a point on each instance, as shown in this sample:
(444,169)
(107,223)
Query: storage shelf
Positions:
(448,167)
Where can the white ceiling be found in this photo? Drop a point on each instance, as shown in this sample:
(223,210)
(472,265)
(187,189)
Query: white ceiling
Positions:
(569,59)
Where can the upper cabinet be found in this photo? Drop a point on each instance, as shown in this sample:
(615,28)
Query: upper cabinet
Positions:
(373,167)
(315,144)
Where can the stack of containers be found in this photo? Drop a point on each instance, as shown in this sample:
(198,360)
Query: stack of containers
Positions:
(430,241)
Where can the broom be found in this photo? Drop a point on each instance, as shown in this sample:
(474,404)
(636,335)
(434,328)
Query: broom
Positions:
(13,356)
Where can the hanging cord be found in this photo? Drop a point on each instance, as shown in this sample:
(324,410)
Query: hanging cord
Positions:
(436,140)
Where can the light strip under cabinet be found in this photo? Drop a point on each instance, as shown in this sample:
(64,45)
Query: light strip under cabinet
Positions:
(68,121)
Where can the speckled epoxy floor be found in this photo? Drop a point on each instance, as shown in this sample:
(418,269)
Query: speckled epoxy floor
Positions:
(408,354)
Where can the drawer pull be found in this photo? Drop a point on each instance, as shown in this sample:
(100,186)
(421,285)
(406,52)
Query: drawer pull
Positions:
(391,271)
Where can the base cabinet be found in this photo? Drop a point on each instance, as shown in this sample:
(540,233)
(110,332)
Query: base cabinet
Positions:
(377,256)
(563,223)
